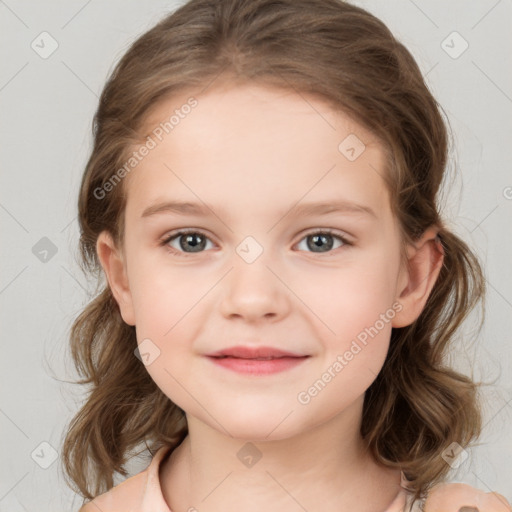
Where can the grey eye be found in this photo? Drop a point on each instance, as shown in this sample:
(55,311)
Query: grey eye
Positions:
(189,241)
(321,242)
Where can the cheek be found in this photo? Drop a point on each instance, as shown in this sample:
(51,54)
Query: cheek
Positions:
(165,323)
(160,294)
(351,298)
(356,313)
(163,311)
(168,303)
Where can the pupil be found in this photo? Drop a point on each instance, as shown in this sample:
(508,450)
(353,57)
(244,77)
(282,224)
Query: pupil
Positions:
(323,241)
(189,239)
(318,240)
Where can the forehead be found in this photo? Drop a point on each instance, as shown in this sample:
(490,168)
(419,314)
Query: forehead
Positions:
(252,144)
(237,104)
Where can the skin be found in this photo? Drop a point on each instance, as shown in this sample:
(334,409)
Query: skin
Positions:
(448,498)
(251,153)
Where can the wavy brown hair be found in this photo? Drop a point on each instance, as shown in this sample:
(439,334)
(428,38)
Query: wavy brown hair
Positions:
(418,405)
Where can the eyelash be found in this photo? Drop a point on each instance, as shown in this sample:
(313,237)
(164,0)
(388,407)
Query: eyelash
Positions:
(176,234)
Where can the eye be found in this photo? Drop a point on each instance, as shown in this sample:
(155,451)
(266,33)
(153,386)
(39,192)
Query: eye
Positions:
(190,239)
(321,241)
(194,241)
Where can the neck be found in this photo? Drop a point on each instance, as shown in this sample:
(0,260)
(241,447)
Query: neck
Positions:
(328,464)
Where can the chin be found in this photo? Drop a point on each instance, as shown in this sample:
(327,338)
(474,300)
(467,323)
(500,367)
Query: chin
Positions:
(261,425)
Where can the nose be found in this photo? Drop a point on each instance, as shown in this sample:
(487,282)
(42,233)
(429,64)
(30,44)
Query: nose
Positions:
(255,291)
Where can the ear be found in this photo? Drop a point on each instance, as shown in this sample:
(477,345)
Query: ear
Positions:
(416,282)
(114,266)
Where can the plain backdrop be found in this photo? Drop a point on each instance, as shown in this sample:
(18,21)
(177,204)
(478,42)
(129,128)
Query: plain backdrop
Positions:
(47,103)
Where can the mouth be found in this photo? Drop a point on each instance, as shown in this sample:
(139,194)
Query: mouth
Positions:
(255,353)
(256,358)
(257,365)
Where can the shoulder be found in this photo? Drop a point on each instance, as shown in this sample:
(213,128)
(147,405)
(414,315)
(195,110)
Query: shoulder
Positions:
(88,507)
(136,493)
(453,497)
(124,496)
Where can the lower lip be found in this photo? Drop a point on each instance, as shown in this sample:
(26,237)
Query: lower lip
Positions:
(258,366)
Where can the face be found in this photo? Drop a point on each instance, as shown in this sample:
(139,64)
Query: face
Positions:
(296,249)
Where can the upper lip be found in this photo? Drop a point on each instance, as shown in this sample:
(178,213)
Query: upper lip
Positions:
(245,352)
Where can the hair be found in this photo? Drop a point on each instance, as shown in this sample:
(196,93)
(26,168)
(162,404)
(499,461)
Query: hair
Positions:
(417,405)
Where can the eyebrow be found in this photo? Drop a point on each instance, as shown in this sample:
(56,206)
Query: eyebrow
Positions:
(305,209)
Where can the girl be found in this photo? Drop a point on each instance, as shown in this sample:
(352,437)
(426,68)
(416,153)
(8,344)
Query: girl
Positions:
(280,288)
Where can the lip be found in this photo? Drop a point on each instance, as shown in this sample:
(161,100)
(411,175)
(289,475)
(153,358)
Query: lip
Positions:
(258,366)
(256,360)
(245,352)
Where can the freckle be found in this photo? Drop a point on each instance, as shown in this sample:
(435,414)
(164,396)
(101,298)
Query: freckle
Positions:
(468,509)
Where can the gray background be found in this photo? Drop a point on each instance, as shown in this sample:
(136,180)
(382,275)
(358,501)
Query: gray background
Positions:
(47,106)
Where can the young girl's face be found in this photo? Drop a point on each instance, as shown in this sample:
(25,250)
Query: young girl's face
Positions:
(261,269)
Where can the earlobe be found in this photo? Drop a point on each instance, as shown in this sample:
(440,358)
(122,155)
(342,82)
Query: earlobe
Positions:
(114,266)
(425,260)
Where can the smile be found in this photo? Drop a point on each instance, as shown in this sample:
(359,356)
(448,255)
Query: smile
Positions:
(258,365)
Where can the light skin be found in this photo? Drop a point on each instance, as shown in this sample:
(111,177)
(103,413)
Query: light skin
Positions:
(253,154)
